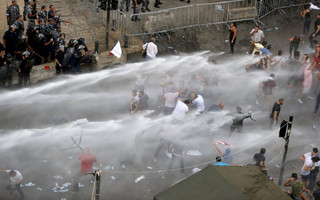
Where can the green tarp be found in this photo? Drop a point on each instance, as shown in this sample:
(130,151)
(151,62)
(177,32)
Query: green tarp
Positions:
(225,183)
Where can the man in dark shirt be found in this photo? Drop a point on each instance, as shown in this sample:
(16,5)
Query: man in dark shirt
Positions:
(237,121)
(52,12)
(59,59)
(275,112)
(316,30)
(9,39)
(143,101)
(260,160)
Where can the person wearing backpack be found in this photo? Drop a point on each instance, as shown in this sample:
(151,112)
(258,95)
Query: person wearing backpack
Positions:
(150,49)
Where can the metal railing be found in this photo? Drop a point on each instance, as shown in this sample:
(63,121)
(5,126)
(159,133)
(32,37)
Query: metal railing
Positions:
(265,7)
(193,16)
(180,17)
(196,15)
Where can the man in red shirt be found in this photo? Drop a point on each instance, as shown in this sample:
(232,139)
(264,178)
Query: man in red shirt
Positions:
(87,160)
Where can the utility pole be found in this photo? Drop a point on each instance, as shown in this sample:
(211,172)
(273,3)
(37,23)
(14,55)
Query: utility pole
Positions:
(97,175)
(285,126)
(108,23)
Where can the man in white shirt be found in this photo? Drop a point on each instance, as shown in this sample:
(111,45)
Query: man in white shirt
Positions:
(308,166)
(314,173)
(198,101)
(16,179)
(257,36)
(170,100)
(181,109)
(151,49)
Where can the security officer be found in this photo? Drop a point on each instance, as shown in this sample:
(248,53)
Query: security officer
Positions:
(145,4)
(41,27)
(12,13)
(43,14)
(136,8)
(87,57)
(25,69)
(7,71)
(127,4)
(50,27)
(9,39)
(20,47)
(31,13)
(77,55)
(20,25)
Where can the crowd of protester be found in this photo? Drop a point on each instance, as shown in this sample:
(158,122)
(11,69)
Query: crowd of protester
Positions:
(294,73)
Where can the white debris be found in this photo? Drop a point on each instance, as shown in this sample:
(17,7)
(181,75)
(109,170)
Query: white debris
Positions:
(45,161)
(62,190)
(108,167)
(123,166)
(194,153)
(139,179)
(149,167)
(113,178)
(66,184)
(38,188)
(277,166)
(58,177)
(30,184)
(195,170)
(70,157)
(68,172)
(80,185)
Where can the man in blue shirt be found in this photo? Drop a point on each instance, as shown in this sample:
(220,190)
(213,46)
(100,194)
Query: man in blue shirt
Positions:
(219,163)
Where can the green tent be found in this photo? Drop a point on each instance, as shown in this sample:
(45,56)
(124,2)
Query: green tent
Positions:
(225,183)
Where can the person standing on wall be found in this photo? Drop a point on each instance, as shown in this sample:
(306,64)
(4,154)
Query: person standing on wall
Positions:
(232,36)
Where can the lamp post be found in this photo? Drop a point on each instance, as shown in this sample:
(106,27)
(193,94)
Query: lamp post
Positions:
(285,127)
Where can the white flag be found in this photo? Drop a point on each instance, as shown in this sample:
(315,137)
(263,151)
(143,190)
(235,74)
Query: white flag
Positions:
(313,7)
(116,51)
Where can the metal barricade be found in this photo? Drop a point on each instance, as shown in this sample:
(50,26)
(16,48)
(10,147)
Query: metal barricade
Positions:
(265,7)
(192,16)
